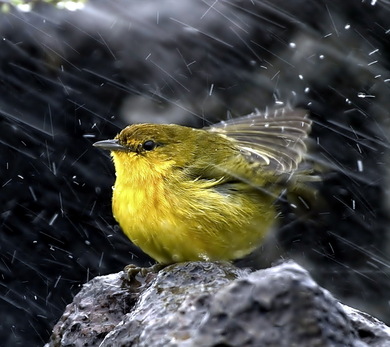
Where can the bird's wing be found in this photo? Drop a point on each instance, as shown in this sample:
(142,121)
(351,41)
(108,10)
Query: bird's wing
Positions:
(274,140)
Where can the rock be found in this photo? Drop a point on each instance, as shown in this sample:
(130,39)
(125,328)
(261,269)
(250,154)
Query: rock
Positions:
(213,304)
(370,330)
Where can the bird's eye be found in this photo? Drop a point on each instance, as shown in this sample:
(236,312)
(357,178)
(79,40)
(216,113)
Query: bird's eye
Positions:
(149,145)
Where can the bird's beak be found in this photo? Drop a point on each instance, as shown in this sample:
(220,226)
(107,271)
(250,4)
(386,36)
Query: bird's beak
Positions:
(110,145)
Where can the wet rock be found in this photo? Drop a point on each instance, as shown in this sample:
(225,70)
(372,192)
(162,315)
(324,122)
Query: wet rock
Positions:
(370,330)
(213,304)
(95,311)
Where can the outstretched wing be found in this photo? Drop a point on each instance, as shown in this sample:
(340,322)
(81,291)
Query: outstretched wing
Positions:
(274,140)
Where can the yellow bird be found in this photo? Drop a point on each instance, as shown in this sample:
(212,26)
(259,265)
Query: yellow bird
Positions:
(184,194)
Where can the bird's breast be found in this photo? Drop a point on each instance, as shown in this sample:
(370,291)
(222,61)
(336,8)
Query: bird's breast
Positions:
(173,219)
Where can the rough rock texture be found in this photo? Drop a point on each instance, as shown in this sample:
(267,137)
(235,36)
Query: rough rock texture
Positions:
(213,304)
(370,330)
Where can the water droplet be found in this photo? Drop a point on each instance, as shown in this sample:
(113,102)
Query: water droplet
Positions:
(359,165)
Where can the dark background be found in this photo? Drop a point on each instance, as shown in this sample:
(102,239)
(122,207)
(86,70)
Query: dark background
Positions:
(68,79)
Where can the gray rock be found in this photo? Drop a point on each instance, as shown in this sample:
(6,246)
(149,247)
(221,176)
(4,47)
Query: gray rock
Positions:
(213,304)
(370,330)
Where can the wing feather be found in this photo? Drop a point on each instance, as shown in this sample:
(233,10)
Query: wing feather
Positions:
(275,141)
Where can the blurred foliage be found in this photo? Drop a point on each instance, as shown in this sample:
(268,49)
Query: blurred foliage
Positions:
(29,5)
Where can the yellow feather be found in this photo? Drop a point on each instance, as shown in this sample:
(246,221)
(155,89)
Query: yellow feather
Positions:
(186,194)
(170,218)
